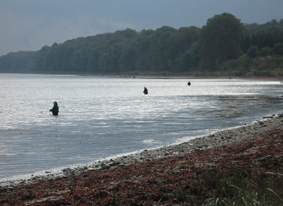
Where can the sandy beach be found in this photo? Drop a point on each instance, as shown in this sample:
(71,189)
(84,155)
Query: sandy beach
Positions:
(147,177)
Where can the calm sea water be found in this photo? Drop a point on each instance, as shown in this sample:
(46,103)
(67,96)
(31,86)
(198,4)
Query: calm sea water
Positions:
(103,117)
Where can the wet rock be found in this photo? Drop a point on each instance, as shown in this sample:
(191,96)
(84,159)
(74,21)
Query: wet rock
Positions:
(104,167)
(114,163)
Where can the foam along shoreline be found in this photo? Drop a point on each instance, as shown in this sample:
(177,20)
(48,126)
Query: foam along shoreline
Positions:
(225,137)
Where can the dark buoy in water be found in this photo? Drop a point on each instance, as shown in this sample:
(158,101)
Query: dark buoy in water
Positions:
(145,91)
(189,83)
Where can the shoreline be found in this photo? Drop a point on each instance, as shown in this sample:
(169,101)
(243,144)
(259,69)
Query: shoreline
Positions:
(203,77)
(223,137)
(217,139)
(156,76)
(169,175)
(190,77)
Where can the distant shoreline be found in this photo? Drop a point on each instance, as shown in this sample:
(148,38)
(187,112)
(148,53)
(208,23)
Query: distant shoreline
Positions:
(188,77)
(149,76)
(205,77)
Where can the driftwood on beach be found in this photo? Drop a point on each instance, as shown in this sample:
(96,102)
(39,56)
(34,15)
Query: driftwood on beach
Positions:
(164,176)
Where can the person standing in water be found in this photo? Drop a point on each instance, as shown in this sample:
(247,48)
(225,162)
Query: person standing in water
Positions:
(55,109)
(145,91)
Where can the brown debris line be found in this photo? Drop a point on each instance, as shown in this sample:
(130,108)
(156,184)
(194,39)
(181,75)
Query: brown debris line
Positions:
(151,182)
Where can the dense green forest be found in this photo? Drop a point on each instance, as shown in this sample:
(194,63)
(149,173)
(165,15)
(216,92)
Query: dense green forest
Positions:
(224,46)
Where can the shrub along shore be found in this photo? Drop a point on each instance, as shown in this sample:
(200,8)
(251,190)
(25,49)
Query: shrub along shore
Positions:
(235,166)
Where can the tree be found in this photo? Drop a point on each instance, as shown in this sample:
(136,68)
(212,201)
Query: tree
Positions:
(278,49)
(220,40)
(186,37)
(265,51)
(252,51)
(162,48)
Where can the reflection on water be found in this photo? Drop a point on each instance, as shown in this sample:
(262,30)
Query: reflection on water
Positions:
(102,117)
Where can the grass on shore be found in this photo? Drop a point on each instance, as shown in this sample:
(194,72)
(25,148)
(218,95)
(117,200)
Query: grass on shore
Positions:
(241,188)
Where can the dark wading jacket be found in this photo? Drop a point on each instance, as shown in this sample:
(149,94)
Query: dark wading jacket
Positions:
(55,109)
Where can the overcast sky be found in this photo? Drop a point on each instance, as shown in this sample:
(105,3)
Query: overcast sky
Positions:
(27,25)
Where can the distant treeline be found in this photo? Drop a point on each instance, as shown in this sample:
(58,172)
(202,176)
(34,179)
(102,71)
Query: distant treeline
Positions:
(224,46)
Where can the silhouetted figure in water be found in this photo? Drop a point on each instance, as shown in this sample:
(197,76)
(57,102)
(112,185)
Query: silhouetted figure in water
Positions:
(189,83)
(145,91)
(55,109)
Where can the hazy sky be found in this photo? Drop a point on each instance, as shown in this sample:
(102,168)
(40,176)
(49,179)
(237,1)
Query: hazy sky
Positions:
(30,24)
